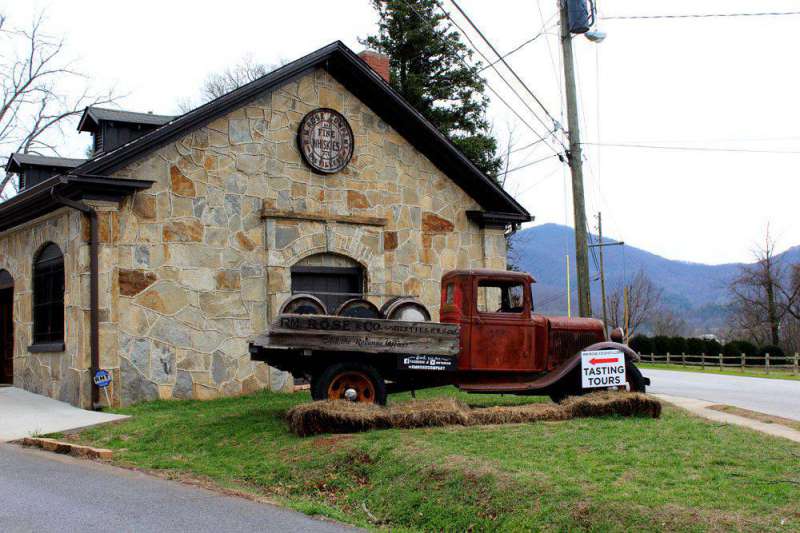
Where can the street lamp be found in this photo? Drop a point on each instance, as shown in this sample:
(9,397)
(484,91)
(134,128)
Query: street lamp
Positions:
(596,36)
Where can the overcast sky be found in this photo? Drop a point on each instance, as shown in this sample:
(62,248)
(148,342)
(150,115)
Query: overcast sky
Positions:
(691,83)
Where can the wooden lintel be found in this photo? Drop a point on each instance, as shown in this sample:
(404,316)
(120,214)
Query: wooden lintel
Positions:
(268,212)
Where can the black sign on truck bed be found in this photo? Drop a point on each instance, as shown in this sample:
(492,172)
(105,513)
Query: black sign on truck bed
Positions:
(426,362)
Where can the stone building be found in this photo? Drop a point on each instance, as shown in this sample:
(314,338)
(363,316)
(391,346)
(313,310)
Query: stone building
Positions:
(158,258)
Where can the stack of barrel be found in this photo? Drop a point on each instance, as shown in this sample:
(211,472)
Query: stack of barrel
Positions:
(405,308)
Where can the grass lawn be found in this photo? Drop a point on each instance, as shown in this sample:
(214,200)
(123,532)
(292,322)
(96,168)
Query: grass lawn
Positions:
(749,372)
(677,473)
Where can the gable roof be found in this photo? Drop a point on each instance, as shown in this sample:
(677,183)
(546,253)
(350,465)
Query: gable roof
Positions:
(17,160)
(93,115)
(359,78)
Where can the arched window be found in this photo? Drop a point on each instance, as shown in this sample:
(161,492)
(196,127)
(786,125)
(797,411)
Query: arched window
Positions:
(48,296)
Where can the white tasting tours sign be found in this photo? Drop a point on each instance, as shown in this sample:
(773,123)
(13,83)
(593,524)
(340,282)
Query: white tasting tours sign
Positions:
(602,368)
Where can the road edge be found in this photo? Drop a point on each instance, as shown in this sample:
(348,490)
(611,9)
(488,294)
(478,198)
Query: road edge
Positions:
(701,408)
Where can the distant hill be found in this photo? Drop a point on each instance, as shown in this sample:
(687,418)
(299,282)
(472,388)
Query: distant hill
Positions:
(695,290)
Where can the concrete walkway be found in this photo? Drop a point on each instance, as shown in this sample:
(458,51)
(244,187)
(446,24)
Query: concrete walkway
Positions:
(24,413)
(45,492)
(701,408)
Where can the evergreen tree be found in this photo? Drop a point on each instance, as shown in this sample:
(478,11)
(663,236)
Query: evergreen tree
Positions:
(426,68)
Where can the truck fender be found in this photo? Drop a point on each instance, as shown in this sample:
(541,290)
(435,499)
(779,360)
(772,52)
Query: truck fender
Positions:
(563,372)
(630,354)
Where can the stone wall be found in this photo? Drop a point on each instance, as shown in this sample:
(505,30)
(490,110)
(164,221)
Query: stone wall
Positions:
(62,375)
(199,271)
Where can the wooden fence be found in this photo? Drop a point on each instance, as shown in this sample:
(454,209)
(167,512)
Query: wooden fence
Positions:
(763,362)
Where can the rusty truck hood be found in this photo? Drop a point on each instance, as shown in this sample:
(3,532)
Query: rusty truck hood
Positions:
(576,324)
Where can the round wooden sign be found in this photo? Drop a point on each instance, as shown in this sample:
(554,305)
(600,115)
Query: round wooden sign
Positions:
(326,140)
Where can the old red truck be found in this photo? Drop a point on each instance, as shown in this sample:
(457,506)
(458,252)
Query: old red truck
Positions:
(488,340)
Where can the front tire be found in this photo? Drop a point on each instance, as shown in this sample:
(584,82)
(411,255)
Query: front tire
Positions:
(349,381)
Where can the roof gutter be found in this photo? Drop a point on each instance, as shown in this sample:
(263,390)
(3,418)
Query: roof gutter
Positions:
(94,286)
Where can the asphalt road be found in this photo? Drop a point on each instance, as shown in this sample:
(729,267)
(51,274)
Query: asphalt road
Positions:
(43,492)
(778,397)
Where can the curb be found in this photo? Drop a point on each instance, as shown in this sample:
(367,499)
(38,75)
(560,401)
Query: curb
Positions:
(57,446)
(700,408)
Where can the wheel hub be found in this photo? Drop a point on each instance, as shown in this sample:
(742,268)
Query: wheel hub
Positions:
(354,386)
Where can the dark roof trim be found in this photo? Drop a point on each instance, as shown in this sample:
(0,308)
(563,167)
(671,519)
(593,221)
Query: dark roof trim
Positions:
(17,160)
(496,219)
(92,116)
(38,200)
(359,78)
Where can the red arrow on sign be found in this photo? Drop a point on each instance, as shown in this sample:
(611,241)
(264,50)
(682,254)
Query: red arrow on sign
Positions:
(596,361)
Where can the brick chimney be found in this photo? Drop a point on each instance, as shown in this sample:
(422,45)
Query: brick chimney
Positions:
(379,62)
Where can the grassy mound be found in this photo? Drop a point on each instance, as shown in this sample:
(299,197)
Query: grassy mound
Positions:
(341,416)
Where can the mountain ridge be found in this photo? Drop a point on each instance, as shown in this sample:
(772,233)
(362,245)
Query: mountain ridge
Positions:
(696,291)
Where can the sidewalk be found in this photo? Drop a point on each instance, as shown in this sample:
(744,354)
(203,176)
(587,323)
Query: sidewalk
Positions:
(24,413)
(701,408)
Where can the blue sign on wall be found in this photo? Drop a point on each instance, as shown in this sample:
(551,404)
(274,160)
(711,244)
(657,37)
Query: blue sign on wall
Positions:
(102,378)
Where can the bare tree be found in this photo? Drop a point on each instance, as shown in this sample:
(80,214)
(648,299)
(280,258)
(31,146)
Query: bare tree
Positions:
(33,107)
(644,298)
(221,83)
(665,322)
(763,294)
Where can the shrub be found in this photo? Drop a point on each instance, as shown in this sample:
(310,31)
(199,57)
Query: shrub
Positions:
(661,344)
(641,344)
(677,345)
(776,355)
(695,348)
(735,349)
(712,347)
(739,348)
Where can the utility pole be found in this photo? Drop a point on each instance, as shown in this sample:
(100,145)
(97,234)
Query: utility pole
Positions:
(602,245)
(627,304)
(576,166)
(569,292)
(602,271)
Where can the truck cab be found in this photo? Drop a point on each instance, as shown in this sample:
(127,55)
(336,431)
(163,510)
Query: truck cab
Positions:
(500,332)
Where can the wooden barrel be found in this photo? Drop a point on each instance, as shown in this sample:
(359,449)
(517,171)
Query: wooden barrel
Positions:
(303,304)
(406,309)
(358,308)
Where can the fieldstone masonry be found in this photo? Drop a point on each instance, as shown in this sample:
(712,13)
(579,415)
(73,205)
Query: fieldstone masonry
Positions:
(200,262)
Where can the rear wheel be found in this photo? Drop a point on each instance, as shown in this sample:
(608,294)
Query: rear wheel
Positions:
(356,382)
(571,385)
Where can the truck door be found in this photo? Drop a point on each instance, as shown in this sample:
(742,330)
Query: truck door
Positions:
(502,334)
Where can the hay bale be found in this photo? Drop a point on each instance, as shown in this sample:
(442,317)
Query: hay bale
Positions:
(606,403)
(340,416)
(428,413)
(517,414)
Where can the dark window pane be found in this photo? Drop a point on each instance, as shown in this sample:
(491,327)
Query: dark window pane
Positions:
(48,295)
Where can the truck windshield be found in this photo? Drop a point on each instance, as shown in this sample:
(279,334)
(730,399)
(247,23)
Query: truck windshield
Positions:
(498,296)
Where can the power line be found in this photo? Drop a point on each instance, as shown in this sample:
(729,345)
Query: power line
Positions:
(703,15)
(534,143)
(500,75)
(538,182)
(505,63)
(694,148)
(526,43)
(464,62)
(526,165)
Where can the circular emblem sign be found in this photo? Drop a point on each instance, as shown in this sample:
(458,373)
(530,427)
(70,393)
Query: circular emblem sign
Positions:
(326,140)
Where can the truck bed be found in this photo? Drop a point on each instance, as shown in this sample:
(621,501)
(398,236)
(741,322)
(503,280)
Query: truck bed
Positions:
(328,333)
